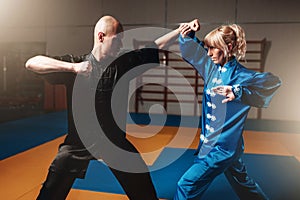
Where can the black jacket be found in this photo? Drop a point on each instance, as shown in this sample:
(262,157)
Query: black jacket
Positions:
(107,74)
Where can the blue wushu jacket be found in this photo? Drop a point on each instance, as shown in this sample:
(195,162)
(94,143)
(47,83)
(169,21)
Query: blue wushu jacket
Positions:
(223,123)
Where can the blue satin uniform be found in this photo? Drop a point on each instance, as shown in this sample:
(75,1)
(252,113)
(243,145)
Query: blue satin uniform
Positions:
(221,142)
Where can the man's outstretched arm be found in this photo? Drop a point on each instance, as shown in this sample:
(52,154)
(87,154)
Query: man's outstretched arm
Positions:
(43,64)
(168,39)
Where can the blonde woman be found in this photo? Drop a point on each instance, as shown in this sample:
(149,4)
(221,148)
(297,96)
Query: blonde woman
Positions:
(230,90)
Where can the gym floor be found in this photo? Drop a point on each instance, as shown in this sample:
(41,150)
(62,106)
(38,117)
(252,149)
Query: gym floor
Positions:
(22,174)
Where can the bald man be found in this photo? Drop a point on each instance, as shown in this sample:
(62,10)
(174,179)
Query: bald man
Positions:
(104,66)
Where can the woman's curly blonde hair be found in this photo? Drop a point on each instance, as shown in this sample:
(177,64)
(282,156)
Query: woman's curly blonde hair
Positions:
(224,35)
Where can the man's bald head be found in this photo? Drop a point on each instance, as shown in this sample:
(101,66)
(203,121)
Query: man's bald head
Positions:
(107,37)
(108,25)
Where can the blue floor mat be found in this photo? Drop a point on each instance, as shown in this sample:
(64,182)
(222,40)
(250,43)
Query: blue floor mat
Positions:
(279,176)
(20,135)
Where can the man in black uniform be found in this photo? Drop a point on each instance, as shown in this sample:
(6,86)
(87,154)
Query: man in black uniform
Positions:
(106,68)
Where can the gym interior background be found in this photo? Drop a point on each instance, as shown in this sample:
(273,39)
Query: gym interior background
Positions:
(57,27)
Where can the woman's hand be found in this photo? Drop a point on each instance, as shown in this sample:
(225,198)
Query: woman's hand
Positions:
(226,91)
(186,28)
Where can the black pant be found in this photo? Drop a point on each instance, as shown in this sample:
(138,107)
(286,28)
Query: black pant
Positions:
(66,168)
(137,186)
